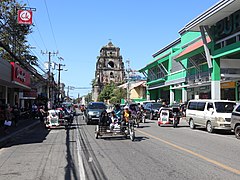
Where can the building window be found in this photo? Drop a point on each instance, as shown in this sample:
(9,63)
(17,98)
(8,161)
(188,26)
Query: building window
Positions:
(110,64)
(231,41)
(111,75)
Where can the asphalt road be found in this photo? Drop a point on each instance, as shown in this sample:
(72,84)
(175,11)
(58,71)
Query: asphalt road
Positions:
(156,153)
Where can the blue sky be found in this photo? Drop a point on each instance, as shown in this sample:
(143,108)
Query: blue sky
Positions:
(81,27)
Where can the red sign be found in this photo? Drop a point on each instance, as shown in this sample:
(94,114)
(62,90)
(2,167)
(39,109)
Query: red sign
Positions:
(20,75)
(31,93)
(24,17)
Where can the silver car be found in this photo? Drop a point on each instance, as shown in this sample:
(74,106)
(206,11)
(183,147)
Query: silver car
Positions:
(235,121)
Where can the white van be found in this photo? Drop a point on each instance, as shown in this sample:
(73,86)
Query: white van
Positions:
(211,114)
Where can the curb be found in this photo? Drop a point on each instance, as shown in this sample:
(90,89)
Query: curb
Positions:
(9,137)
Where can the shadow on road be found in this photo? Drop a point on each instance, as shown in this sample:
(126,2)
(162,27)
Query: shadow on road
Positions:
(70,168)
(113,138)
(216,131)
(38,135)
(140,138)
(143,126)
(123,138)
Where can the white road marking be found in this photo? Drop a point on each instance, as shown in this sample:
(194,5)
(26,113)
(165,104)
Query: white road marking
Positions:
(80,161)
(90,159)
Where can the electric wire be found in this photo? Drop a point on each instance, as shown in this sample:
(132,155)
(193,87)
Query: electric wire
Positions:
(35,23)
(51,24)
(40,60)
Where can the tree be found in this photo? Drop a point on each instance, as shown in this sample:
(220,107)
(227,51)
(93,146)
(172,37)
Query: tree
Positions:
(14,35)
(118,94)
(88,97)
(113,94)
(107,92)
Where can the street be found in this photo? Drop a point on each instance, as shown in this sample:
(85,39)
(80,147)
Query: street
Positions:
(156,153)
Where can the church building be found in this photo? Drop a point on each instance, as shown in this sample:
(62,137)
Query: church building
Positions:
(109,68)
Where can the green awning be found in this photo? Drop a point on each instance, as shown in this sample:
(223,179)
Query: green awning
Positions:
(157,60)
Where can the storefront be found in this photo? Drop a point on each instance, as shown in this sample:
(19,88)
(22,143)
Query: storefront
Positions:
(164,74)
(20,84)
(204,62)
(215,55)
(5,82)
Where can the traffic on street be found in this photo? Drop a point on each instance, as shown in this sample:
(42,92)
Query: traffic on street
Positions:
(156,153)
(119,90)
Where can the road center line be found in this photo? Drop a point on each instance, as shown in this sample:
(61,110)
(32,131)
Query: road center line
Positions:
(236,171)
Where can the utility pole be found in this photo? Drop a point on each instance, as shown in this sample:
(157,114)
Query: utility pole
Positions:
(49,82)
(128,81)
(68,93)
(59,72)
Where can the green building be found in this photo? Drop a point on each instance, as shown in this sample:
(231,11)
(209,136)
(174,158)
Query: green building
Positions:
(204,63)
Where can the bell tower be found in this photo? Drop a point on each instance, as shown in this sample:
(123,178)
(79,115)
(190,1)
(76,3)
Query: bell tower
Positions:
(109,68)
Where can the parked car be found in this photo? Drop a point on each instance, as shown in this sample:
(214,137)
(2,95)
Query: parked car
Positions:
(211,114)
(152,109)
(94,111)
(235,121)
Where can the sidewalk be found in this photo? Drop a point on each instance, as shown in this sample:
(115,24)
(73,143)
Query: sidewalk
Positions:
(23,125)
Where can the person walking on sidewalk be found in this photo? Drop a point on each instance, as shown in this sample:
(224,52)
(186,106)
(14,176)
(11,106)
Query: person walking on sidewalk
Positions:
(16,114)
(8,118)
(42,113)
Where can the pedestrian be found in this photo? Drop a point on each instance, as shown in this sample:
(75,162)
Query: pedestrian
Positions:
(8,118)
(16,114)
(42,113)
(34,110)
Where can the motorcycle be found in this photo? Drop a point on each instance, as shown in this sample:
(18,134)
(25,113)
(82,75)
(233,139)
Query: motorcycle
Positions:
(136,118)
(176,116)
(143,116)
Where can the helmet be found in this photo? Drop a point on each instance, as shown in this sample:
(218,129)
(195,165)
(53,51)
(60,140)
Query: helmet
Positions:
(126,107)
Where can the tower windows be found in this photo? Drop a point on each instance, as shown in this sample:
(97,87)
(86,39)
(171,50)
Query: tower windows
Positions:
(111,75)
(110,64)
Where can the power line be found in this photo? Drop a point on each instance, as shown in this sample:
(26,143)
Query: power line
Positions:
(17,41)
(40,35)
(50,24)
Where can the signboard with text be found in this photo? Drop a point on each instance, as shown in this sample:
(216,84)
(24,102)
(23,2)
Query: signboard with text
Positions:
(25,17)
(20,75)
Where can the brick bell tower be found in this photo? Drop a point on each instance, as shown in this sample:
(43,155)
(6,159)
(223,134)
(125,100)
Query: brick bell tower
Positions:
(109,68)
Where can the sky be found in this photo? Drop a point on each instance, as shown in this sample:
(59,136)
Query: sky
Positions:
(78,29)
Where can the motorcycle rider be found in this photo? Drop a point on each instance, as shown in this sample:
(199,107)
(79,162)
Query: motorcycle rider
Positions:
(114,120)
(104,119)
(176,114)
(126,117)
(143,114)
(118,111)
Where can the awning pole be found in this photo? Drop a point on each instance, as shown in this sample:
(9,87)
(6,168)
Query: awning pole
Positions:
(207,53)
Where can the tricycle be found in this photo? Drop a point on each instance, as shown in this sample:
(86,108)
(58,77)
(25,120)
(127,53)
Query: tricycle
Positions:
(169,115)
(105,126)
(165,116)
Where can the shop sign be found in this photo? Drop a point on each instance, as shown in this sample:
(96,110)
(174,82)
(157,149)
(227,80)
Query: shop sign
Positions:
(25,17)
(203,88)
(227,26)
(228,85)
(31,93)
(20,75)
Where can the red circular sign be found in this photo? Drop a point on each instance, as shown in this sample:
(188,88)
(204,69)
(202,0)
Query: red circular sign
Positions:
(24,16)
